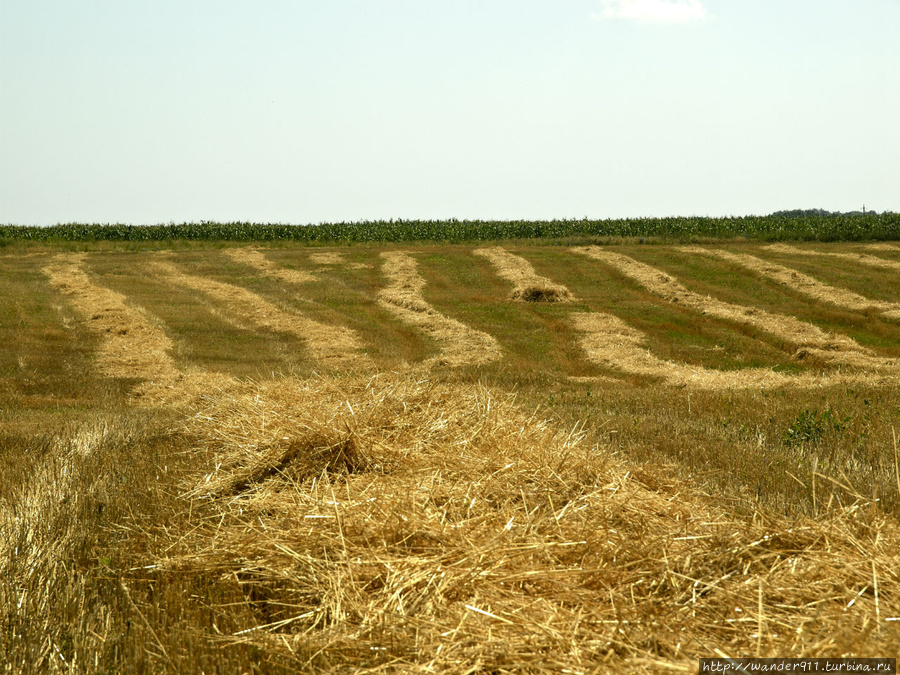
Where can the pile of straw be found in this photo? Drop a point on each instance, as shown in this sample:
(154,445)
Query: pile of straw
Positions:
(393,524)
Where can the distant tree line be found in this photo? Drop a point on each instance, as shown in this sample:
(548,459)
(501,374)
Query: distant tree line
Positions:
(810,213)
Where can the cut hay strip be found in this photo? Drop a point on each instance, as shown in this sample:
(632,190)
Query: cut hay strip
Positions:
(255,259)
(327,258)
(807,339)
(859,258)
(528,285)
(461,345)
(327,344)
(802,283)
(610,342)
(335,258)
(892,248)
(467,535)
(133,345)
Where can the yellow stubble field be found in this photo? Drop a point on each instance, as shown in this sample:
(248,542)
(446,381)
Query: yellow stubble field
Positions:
(447,458)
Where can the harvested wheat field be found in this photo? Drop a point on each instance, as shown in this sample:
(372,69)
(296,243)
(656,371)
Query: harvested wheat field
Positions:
(679,460)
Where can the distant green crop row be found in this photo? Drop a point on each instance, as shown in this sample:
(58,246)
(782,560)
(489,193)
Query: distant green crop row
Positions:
(832,227)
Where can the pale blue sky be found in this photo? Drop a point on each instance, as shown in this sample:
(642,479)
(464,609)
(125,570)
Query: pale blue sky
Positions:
(300,112)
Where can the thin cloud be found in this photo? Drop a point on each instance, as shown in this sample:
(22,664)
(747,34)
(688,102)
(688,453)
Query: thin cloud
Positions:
(652,11)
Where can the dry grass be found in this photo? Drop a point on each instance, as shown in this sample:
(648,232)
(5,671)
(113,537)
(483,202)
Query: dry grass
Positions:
(805,338)
(395,525)
(460,344)
(334,258)
(892,248)
(255,259)
(528,285)
(802,283)
(610,342)
(330,345)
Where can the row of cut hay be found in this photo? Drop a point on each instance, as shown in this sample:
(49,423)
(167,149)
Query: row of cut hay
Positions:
(859,258)
(335,258)
(610,342)
(335,346)
(528,285)
(801,283)
(460,344)
(807,339)
(892,248)
(255,259)
(132,345)
(399,525)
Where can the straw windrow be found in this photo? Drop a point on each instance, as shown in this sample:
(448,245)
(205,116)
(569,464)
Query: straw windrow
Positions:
(336,346)
(335,258)
(802,283)
(859,258)
(610,342)
(133,345)
(805,338)
(255,259)
(461,345)
(528,285)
